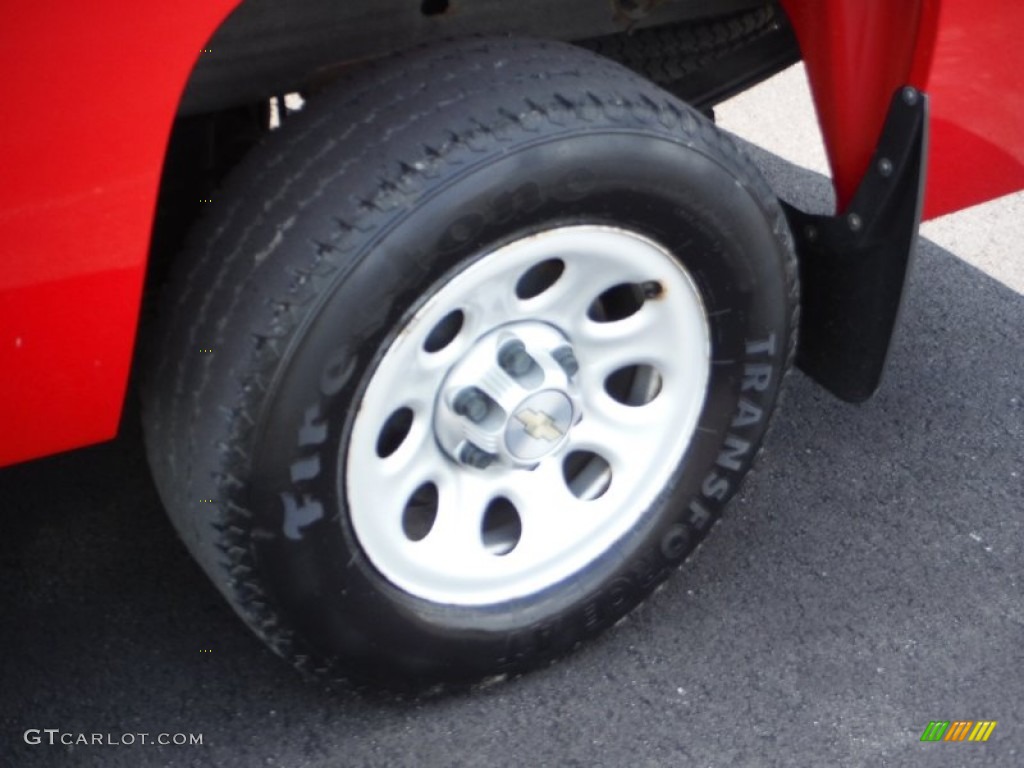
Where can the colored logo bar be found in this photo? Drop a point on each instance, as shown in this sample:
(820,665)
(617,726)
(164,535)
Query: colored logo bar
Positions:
(958,730)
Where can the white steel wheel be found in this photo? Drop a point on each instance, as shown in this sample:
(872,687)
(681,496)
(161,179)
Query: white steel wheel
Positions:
(527,415)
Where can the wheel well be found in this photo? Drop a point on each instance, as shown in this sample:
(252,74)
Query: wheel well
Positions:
(266,47)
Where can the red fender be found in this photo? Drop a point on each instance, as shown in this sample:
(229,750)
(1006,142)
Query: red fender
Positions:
(91,91)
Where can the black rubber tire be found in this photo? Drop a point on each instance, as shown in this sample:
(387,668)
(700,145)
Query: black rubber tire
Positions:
(668,53)
(333,231)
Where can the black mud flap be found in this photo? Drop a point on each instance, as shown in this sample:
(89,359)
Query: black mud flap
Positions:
(853,267)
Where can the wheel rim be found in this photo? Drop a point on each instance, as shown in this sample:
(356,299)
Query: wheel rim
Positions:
(527,415)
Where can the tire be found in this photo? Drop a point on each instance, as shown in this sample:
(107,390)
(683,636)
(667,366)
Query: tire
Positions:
(363,464)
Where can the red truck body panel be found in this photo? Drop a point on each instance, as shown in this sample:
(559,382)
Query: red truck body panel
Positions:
(93,90)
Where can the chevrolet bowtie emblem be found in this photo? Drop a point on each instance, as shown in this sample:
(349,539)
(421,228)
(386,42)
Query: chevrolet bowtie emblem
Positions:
(539,426)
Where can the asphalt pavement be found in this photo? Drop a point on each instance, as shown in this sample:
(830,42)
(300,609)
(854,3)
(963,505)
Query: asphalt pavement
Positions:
(866,581)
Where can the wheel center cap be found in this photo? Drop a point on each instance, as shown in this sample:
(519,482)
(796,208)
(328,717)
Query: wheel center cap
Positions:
(539,425)
(511,398)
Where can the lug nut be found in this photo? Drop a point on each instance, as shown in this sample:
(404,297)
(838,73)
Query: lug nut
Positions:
(474,456)
(566,358)
(514,359)
(472,403)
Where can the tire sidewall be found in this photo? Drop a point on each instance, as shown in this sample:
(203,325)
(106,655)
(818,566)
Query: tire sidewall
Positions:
(307,555)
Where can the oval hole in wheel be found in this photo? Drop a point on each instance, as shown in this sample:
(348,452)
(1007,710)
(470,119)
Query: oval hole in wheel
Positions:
(633,385)
(618,302)
(444,333)
(502,527)
(587,475)
(420,512)
(394,432)
(539,278)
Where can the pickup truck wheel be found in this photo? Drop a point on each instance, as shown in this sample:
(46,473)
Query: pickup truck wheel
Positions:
(466,359)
